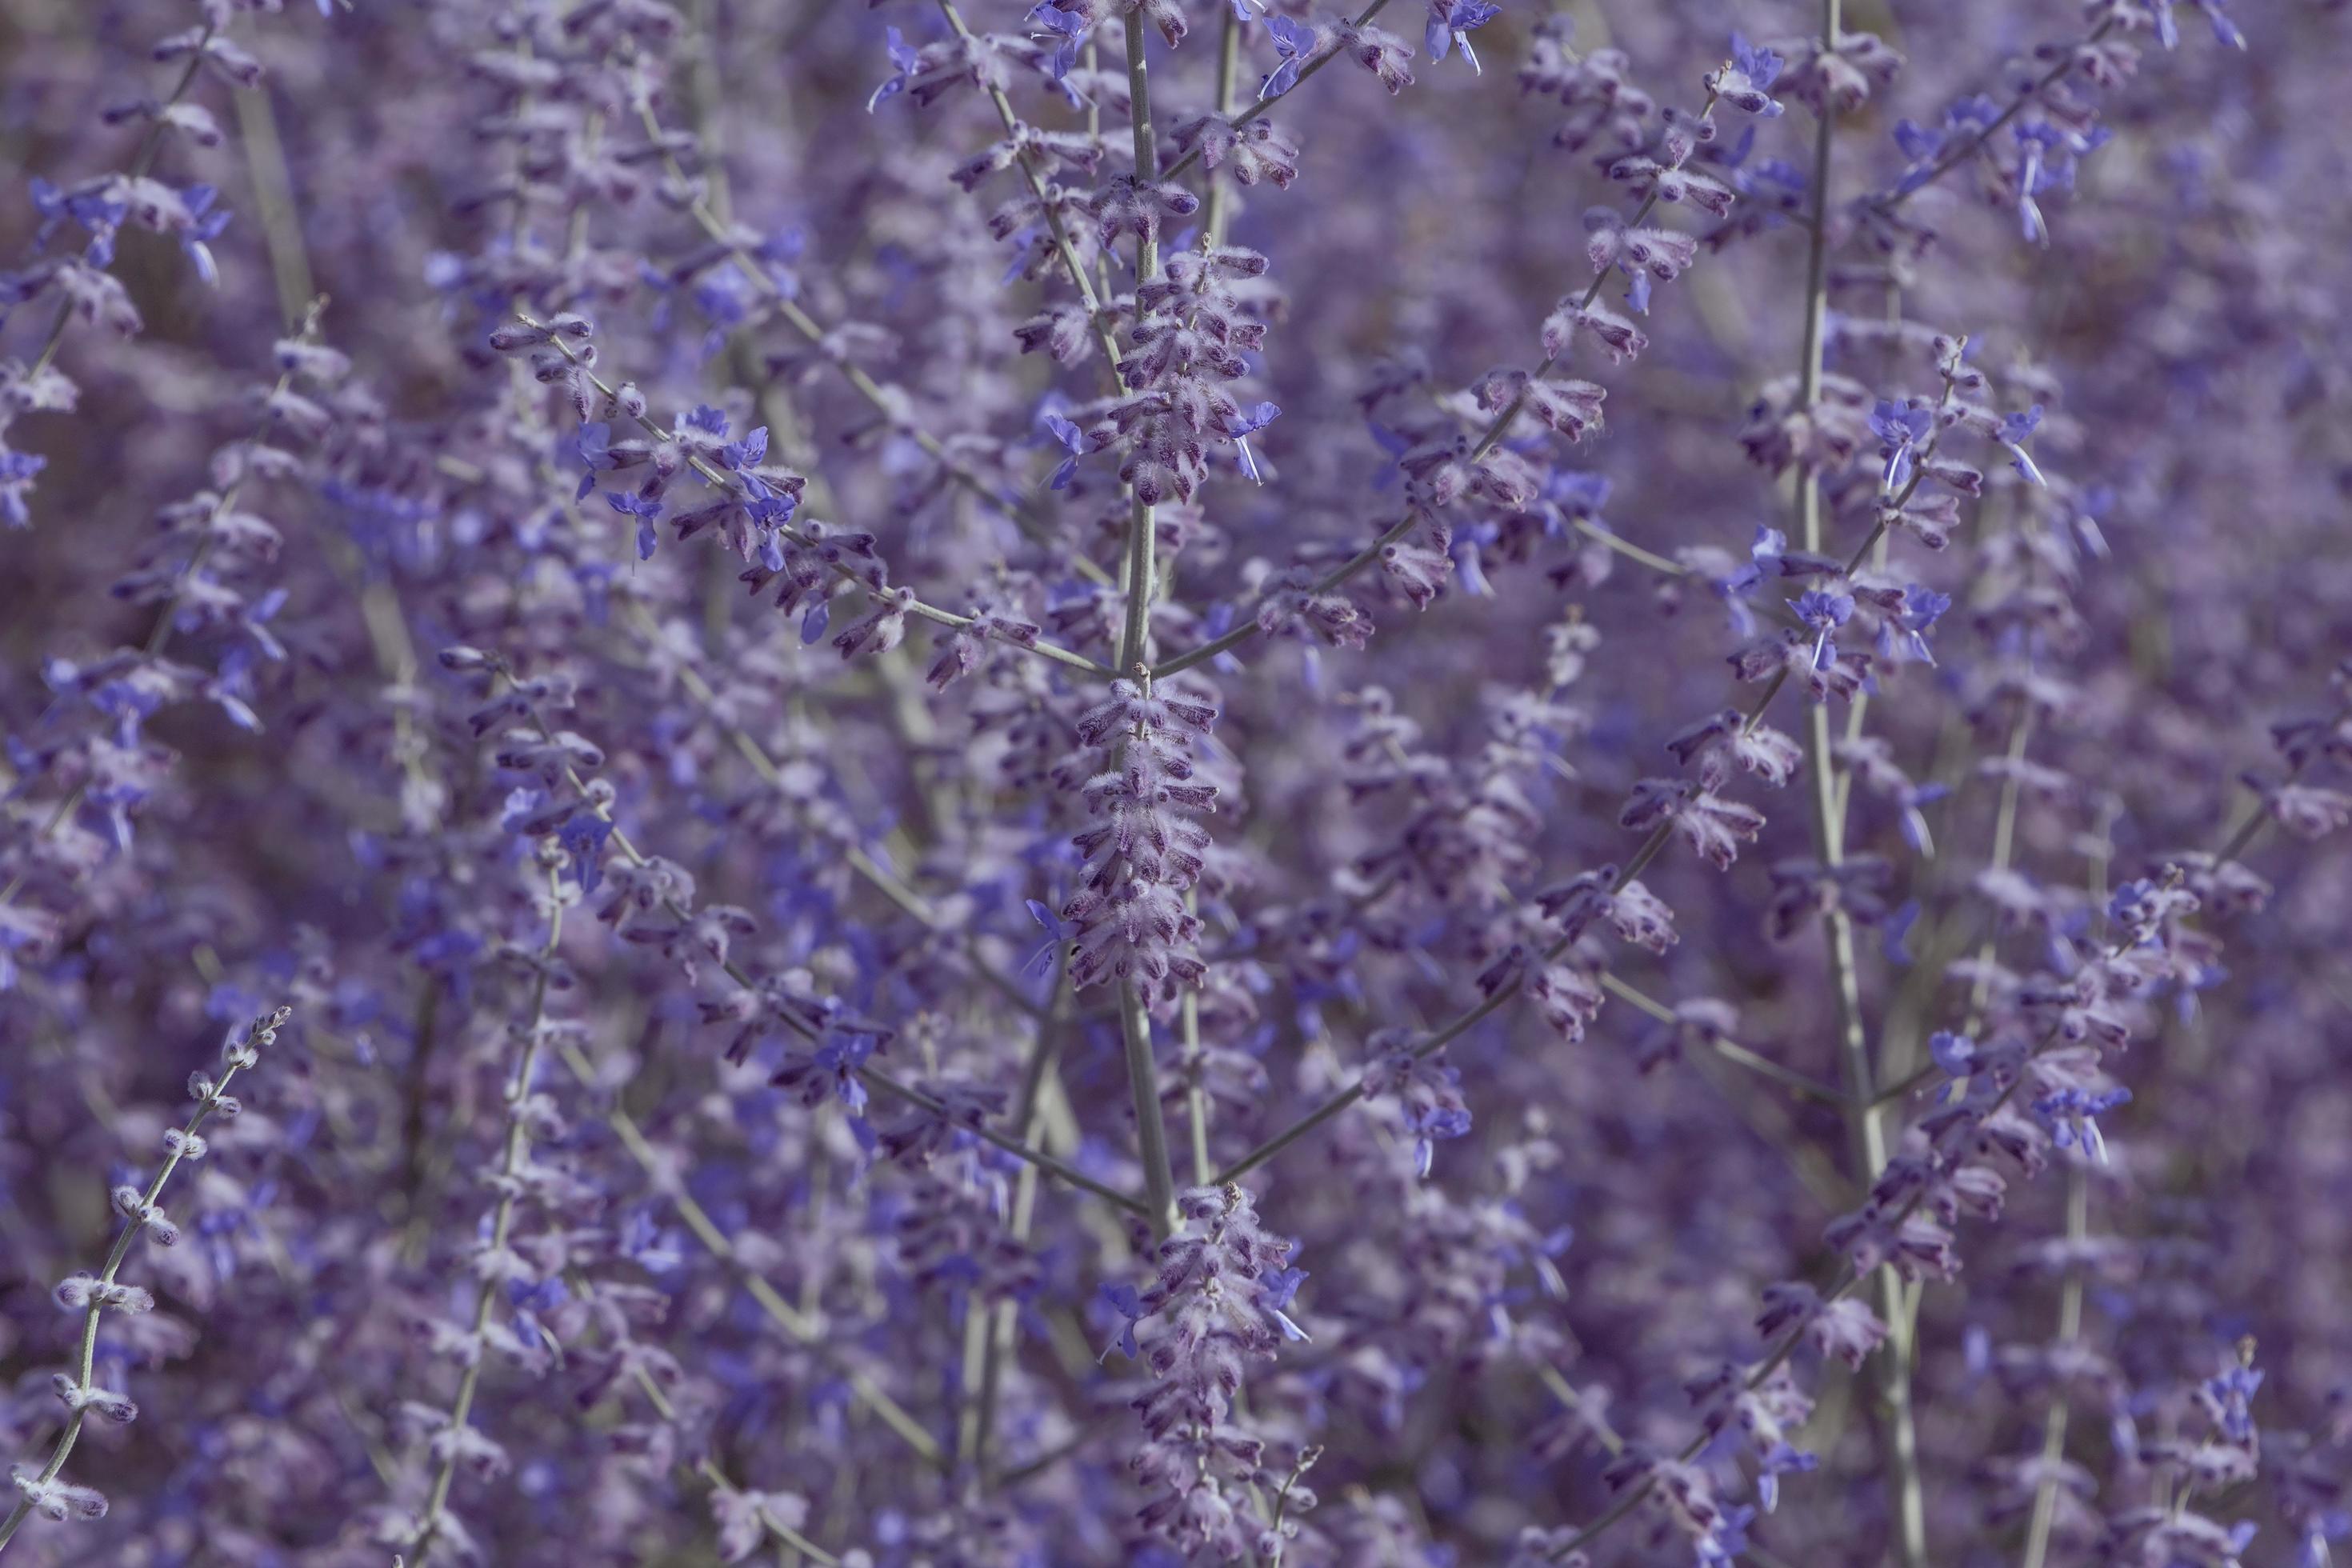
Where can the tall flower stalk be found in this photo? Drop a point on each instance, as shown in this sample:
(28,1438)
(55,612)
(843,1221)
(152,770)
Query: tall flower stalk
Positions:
(45,1490)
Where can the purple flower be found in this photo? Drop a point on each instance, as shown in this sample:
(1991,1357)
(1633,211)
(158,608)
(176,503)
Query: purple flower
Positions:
(2232,1391)
(1900,427)
(1903,638)
(1059,933)
(1822,611)
(205,226)
(645,509)
(1451,22)
(1893,935)
(2073,1115)
(1723,1539)
(1430,1124)
(593,443)
(2047,154)
(1955,1054)
(1126,1303)
(751,1125)
(1776,1461)
(2016,429)
(903,56)
(583,836)
(1073,442)
(737,457)
(17,472)
(2334,1524)
(831,1071)
(1293,42)
(1241,425)
(1068,31)
(1746,83)
(2216,15)
(1276,1288)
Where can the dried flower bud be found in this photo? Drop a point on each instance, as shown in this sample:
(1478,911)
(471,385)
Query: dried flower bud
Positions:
(81,1292)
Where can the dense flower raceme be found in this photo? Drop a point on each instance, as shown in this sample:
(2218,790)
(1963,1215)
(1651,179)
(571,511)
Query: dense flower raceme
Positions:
(1160,784)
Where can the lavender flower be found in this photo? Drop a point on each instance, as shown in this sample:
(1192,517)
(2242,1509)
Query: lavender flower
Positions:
(1451,22)
(1103,719)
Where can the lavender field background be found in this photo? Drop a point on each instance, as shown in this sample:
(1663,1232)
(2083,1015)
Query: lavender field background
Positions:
(1445,786)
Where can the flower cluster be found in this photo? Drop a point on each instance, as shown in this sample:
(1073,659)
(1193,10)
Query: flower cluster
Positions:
(1221,1299)
(897,694)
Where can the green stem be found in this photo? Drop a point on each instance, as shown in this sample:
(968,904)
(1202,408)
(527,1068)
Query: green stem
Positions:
(2070,1328)
(516,1150)
(1134,658)
(2004,849)
(1150,1126)
(710,1470)
(1229,49)
(1865,1127)
(1004,1320)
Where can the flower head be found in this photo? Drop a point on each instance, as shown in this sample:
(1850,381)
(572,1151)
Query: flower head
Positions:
(1451,22)
(1822,611)
(2015,430)
(1746,83)
(1067,32)
(907,61)
(1294,41)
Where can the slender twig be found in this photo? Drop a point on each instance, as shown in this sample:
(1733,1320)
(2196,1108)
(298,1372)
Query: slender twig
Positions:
(1097,317)
(1866,1128)
(1731,1050)
(1003,1322)
(2070,1328)
(1841,1286)
(2236,844)
(1631,550)
(710,1470)
(1437,1040)
(720,479)
(1496,428)
(1134,659)
(1046,1461)
(2004,847)
(512,1158)
(273,190)
(1594,1421)
(103,1292)
(1220,193)
(2233,846)
(1462,1023)
(1196,1092)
